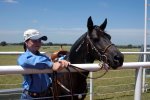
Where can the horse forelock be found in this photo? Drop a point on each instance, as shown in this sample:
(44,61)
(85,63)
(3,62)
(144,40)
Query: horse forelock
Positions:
(102,32)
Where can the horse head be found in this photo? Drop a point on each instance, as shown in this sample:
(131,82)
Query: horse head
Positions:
(101,45)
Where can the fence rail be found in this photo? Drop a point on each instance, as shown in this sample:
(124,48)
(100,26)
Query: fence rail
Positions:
(14,69)
(91,67)
(17,53)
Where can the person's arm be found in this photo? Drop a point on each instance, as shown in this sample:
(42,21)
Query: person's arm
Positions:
(39,62)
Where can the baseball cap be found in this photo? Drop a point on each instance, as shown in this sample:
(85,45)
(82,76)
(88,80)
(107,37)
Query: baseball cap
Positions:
(34,34)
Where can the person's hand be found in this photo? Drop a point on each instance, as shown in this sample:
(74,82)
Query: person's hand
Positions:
(57,66)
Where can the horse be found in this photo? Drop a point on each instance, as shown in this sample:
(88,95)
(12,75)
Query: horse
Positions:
(95,44)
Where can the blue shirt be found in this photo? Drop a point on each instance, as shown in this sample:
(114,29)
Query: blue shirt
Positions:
(35,82)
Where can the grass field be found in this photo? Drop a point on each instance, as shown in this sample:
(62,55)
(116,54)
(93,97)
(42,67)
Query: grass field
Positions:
(101,91)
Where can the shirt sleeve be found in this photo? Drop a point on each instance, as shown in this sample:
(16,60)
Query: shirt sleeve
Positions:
(35,61)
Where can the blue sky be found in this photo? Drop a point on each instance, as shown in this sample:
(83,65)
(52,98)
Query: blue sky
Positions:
(64,21)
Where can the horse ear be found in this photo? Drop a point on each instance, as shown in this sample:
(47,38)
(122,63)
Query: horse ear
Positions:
(103,26)
(90,24)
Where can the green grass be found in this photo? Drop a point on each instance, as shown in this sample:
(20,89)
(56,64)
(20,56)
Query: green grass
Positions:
(6,80)
(100,92)
(112,79)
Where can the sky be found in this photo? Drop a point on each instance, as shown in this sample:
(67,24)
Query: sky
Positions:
(64,21)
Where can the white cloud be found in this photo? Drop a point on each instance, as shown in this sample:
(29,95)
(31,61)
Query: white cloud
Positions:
(103,4)
(70,35)
(65,30)
(10,1)
(9,32)
(127,36)
(45,9)
(34,21)
(63,35)
(127,30)
(11,36)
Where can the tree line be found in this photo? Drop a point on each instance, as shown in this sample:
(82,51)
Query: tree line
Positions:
(4,43)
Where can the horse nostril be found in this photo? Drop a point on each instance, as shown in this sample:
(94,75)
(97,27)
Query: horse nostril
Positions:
(116,57)
(118,60)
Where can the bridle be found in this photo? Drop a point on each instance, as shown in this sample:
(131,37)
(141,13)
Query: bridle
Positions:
(100,53)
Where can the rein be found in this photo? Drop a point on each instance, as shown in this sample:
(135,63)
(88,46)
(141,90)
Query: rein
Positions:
(78,70)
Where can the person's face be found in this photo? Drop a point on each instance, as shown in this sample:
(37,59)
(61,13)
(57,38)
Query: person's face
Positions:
(33,45)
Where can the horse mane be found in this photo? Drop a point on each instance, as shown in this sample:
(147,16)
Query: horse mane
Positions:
(77,42)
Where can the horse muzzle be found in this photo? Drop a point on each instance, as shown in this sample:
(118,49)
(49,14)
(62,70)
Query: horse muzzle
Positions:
(117,61)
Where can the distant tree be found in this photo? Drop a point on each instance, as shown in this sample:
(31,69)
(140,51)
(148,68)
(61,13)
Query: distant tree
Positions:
(21,43)
(3,43)
(50,43)
(130,46)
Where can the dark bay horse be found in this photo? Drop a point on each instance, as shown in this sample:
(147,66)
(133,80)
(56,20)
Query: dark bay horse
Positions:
(95,44)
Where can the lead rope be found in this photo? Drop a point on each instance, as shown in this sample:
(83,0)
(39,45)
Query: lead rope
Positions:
(70,77)
(53,86)
(54,83)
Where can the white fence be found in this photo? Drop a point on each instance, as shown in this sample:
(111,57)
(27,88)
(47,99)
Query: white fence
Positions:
(14,69)
(91,67)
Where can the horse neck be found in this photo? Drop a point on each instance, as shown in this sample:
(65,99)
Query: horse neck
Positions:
(80,53)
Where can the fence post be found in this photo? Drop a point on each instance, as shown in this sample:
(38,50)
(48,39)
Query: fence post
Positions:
(138,86)
(91,86)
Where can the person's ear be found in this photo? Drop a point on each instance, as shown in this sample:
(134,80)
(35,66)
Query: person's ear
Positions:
(26,43)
